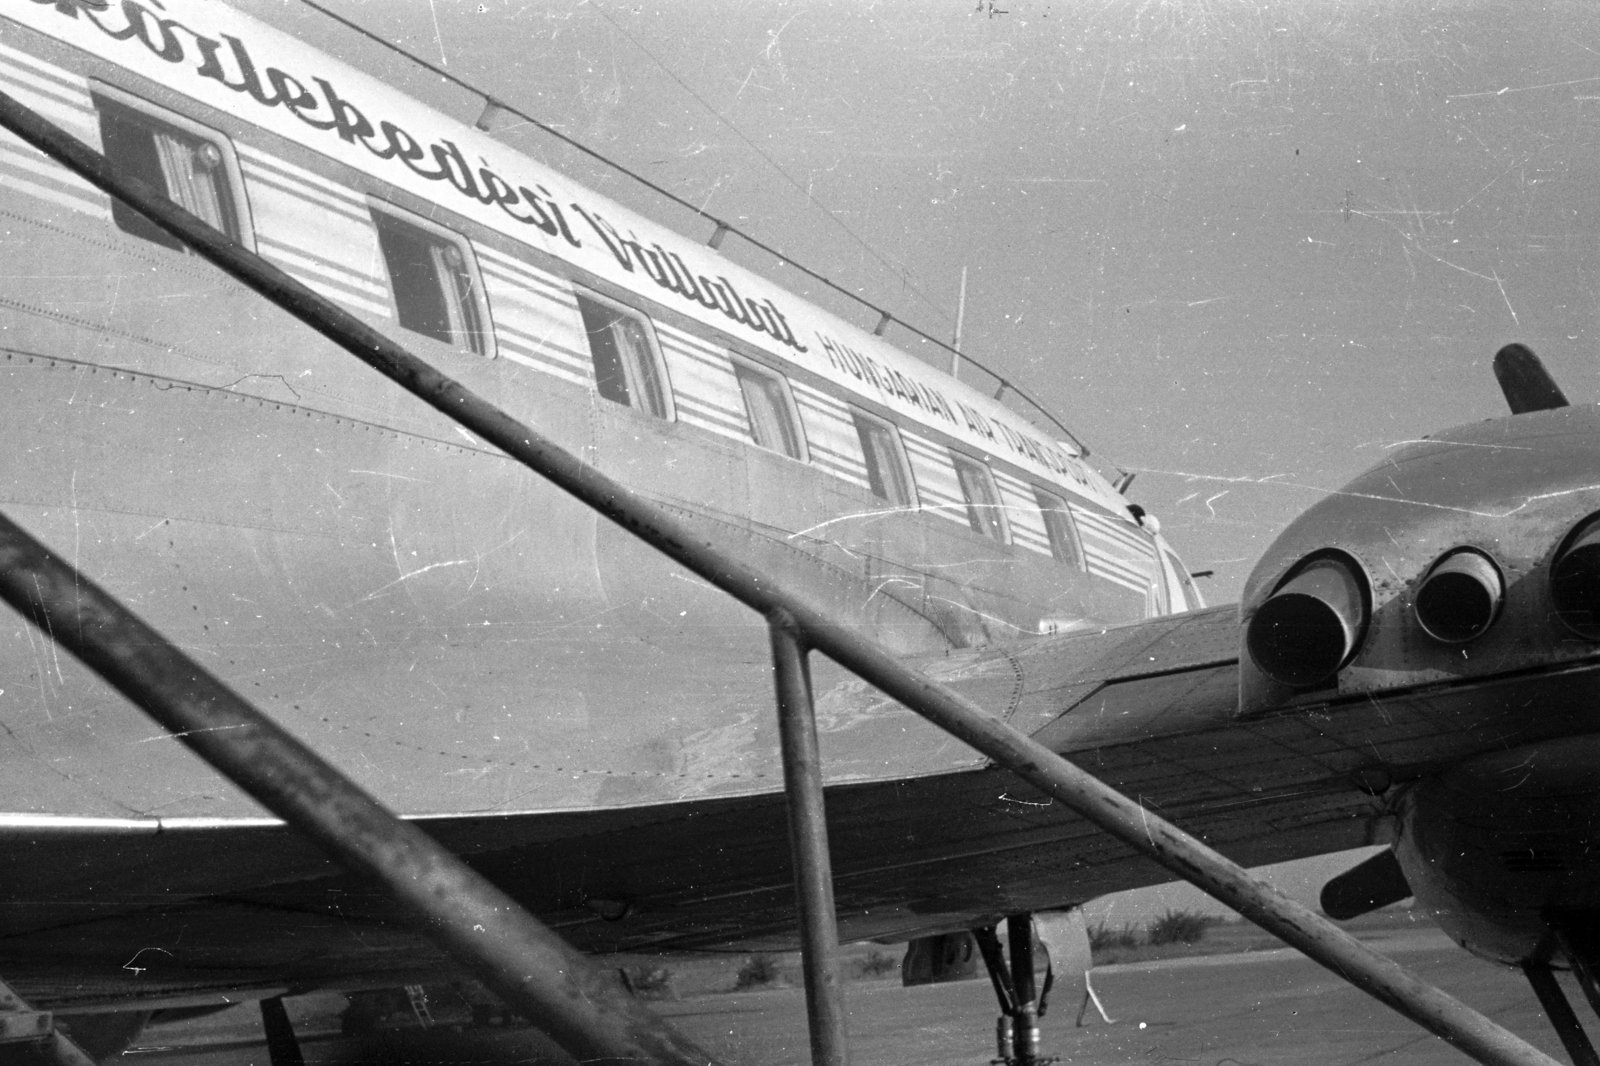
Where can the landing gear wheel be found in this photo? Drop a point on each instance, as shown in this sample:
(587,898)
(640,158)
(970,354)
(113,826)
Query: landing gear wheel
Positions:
(1017,1030)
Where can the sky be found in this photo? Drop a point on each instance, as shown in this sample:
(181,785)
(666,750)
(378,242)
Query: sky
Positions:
(1240,248)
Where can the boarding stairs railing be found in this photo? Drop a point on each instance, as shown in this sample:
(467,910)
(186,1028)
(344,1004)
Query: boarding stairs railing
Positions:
(515,955)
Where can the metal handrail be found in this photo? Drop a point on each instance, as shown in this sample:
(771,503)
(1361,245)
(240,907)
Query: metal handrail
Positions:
(1081,792)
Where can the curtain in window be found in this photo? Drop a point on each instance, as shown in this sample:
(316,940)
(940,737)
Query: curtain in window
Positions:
(1058,524)
(610,377)
(194,178)
(983,502)
(187,168)
(432,284)
(885,471)
(769,414)
(455,290)
(625,369)
(639,364)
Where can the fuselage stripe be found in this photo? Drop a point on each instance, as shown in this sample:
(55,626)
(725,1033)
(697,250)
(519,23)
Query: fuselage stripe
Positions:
(529,296)
(330,279)
(70,100)
(61,197)
(523,273)
(299,177)
(255,178)
(540,363)
(24,157)
(1119,548)
(706,416)
(545,350)
(363,283)
(65,78)
(713,360)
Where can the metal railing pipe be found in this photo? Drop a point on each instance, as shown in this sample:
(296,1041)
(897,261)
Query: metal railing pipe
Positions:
(530,967)
(1118,815)
(808,842)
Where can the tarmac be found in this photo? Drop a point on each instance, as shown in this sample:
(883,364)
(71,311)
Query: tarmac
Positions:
(1246,1009)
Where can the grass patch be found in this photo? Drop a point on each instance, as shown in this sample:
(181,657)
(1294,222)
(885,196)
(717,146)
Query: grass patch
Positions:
(877,964)
(1104,937)
(1178,927)
(759,971)
(649,982)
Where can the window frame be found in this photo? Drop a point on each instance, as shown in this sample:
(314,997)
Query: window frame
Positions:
(1178,581)
(1075,539)
(233,174)
(1000,525)
(652,342)
(791,411)
(859,417)
(484,333)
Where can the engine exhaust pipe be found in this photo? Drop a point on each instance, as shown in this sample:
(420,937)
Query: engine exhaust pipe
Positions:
(1575,580)
(1311,626)
(1460,597)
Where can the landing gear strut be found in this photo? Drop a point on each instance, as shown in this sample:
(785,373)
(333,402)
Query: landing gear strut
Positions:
(1559,1011)
(1021,1003)
(1577,935)
(282,1047)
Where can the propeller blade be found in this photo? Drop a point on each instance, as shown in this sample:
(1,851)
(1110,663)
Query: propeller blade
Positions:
(1375,883)
(1527,384)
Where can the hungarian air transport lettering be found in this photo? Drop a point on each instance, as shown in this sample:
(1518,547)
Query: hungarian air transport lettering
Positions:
(387,140)
(354,122)
(668,270)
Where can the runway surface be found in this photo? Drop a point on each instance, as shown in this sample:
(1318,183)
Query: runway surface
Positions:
(1251,1009)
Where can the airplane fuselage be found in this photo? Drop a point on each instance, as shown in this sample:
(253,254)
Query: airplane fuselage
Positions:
(465,641)
(456,634)
(588,724)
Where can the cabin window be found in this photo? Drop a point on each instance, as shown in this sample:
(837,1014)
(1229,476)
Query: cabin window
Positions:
(769,407)
(984,513)
(434,279)
(1062,530)
(627,365)
(192,165)
(887,470)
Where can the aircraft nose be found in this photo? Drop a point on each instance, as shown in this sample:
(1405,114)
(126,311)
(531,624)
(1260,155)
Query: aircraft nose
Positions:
(1575,579)
(1460,597)
(1312,625)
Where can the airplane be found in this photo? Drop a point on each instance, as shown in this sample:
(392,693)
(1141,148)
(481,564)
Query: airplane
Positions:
(588,725)
(468,643)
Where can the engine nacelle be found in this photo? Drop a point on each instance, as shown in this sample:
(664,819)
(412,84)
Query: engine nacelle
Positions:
(1493,845)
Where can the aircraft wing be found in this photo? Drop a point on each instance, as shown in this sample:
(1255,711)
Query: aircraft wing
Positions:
(1151,708)
(245,902)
